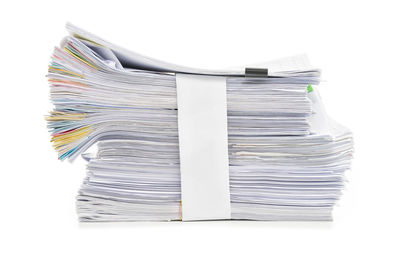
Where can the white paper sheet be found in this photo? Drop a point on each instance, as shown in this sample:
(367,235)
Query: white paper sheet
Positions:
(203,145)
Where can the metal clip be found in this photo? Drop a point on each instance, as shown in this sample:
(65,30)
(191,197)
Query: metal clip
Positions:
(256,73)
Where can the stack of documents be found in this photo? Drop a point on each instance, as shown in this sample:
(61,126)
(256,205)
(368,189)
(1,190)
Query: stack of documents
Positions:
(287,158)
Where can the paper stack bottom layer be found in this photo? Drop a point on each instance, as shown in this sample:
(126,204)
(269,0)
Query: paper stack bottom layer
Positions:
(271,178)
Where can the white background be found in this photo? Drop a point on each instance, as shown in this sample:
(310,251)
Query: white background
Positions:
(355,43)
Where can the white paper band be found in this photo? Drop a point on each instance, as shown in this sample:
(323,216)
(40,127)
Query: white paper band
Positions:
(203,146)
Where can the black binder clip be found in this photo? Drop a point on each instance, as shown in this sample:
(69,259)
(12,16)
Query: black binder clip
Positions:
(256,73)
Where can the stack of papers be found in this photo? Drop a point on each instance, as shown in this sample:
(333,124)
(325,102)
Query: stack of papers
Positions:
(287,158)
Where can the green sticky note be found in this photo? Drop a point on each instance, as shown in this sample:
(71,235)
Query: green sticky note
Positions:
(309,88)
